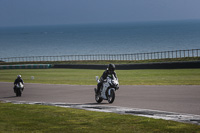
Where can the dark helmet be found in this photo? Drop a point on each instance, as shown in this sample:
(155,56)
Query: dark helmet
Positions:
(111,67)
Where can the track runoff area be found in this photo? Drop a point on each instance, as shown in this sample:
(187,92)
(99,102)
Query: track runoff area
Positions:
(170,102)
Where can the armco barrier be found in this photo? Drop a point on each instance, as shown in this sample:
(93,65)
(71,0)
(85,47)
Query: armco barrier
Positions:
(163,65)
(80,66)
(26,66)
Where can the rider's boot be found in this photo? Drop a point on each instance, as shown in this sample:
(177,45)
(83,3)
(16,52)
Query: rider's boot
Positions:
(14,88)
(95,90)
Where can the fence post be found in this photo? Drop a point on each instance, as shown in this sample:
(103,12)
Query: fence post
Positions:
(184,53)
(192,52)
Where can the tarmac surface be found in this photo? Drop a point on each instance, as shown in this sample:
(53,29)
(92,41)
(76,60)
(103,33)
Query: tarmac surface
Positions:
(173,102)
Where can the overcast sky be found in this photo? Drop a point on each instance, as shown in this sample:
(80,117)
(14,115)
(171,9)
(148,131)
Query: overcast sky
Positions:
(51,12)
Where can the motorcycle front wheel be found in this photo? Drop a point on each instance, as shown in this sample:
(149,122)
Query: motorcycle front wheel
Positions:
(111,97)
(18,92)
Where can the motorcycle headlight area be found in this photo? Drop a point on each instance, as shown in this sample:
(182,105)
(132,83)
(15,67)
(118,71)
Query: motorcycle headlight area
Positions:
(114,83)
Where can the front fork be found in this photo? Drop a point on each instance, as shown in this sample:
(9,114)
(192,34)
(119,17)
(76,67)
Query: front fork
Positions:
(109,91)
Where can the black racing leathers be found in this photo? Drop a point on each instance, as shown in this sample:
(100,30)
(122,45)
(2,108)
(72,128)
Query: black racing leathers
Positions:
(18,80)
(105,74)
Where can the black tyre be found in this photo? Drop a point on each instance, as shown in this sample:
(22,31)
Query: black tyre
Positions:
(111,97)
(98,99)
(18,92)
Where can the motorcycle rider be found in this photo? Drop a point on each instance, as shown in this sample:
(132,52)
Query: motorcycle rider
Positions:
(18,80)
(110,71)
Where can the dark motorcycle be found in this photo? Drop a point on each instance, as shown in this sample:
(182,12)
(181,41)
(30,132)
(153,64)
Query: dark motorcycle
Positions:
(18,89)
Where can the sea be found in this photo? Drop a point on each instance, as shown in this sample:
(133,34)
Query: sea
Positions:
(106,38)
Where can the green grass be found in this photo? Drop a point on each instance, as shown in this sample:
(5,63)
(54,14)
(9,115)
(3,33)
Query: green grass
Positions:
(39,118)
(87,77)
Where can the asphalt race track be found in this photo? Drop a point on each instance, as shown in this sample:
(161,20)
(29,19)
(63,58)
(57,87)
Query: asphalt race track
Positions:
(180,99)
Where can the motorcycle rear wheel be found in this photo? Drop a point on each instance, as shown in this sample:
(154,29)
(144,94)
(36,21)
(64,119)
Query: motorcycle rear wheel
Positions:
(98,99)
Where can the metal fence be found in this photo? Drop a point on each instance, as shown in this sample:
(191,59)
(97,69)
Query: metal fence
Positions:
(123,57)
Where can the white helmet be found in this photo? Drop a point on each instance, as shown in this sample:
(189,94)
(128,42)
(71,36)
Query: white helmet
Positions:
(19,76)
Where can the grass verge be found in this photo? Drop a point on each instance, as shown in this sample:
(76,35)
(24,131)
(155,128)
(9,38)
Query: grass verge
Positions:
(87,77)
(39,118)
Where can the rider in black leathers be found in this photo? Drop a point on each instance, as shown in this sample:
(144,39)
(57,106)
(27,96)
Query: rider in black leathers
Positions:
(18,80)
(109,72)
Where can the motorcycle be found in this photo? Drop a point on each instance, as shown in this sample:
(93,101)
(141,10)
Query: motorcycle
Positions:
(18,89)
(107,91)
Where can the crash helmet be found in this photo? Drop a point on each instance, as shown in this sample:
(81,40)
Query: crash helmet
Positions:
(111,67)
(19,76)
